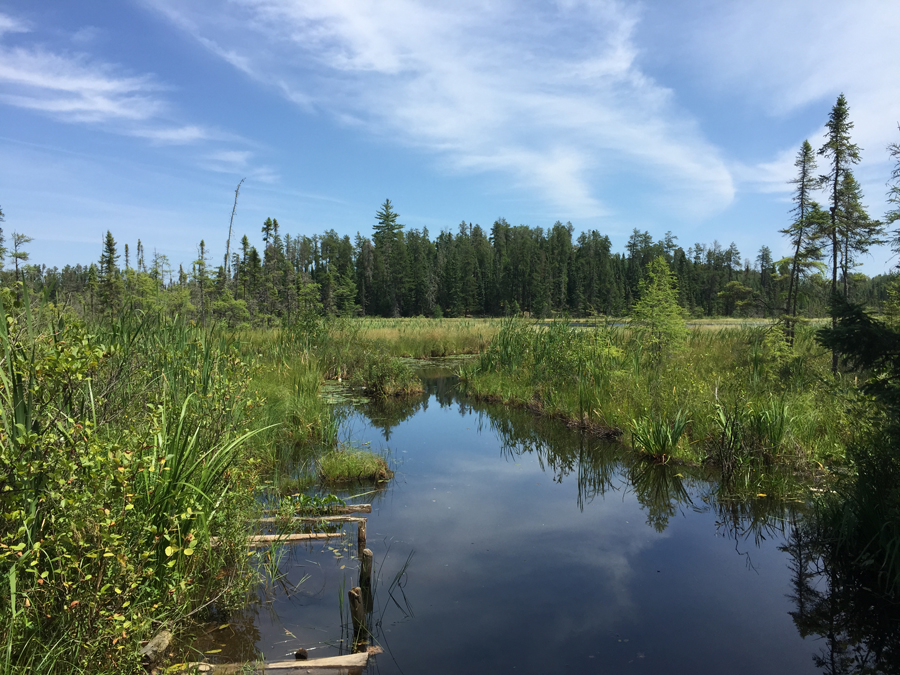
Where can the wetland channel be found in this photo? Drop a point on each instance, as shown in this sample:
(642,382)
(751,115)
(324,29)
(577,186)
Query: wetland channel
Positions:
(508,543)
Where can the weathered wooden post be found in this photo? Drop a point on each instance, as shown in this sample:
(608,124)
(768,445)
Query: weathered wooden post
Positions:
(361,536)
(365,579)
(358,614)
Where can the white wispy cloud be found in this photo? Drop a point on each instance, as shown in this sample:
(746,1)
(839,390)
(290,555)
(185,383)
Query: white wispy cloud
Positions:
(75,87)
(549,95)
(10,24)
(177,134)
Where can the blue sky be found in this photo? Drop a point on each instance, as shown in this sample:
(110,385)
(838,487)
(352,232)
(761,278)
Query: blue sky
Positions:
(141,116)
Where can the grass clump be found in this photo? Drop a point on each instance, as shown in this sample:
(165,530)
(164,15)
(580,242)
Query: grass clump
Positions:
(658,438)
(383,376)
(347,465)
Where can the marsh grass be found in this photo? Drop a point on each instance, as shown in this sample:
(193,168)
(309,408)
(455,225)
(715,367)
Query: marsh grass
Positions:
(383,376)
(420,337)
(658,438)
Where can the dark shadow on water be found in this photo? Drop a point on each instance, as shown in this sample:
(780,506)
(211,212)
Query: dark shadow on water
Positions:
(838,602)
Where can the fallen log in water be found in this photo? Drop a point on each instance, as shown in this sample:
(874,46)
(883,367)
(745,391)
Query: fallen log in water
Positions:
(153,650)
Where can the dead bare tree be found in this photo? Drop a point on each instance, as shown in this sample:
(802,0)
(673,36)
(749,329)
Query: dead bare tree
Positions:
(230,225)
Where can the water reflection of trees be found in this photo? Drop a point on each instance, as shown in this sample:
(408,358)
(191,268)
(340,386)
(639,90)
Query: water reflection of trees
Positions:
(387,413)
(837,599)
(599,466)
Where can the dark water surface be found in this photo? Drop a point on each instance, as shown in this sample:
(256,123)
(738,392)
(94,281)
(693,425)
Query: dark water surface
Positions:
(511,544)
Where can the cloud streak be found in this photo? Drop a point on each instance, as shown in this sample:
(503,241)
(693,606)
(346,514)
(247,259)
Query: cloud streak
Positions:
(75,87)
(549,96)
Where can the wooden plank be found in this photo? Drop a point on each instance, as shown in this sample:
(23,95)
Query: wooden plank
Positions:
(366,562)
(358,614)
(351,508)
(361,536)
(266,539)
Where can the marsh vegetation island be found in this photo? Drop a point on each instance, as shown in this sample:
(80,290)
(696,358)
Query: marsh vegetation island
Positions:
(464,449)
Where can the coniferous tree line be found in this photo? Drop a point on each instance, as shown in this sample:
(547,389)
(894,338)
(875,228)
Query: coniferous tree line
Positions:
(471,272)
(400,271)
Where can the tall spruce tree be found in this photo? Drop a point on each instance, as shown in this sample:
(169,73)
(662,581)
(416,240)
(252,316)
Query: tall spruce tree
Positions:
(19,254)
(841,154)
(856,230)
(389,260)
(110,283)
(2,240)
(202,279)
(657,308)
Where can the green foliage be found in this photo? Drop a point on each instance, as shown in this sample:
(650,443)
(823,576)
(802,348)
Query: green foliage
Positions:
(893,215)
(382,375)
(757,407)
(862,516)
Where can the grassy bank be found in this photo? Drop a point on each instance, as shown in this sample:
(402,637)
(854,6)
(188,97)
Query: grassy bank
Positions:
(739,398)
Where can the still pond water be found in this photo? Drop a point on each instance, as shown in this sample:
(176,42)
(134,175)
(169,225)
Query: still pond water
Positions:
(511,544)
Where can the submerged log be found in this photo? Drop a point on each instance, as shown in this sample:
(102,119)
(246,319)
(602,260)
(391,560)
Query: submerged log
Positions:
(351,508)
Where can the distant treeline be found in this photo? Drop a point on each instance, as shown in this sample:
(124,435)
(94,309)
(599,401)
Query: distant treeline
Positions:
(400,272)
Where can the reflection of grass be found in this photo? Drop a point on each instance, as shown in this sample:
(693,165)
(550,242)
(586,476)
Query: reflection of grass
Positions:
(345,465)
